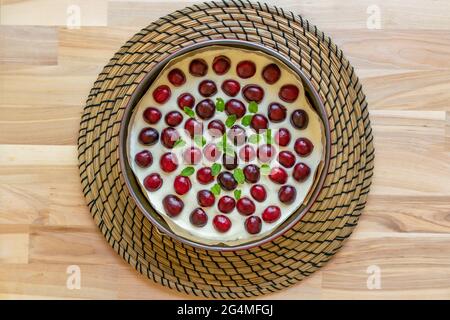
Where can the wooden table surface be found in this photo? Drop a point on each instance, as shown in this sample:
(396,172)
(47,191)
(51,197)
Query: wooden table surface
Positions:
(47,69)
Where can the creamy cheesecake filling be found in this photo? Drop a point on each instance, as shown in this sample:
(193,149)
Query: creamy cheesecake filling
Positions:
(237,234)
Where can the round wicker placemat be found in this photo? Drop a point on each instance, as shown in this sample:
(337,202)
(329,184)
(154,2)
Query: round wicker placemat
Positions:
(272,266)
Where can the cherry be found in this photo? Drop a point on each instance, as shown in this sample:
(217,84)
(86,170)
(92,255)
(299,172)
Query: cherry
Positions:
(152,115)
(276,112)
(198,217)
(182,185)
(221,223)
(153,182)
(301,172)
(205,109)
(173,205)
(287,194)
(169,136)
(259,123)
(205,198)
(271,73)
(299,119)
(247,153)
(173,118)
(258,192)
(198,67)
(231,87)
(193,127)
(303,147)
(230,162)
(271,214)
(221,65)
(211,152)
(216,128)
(161,94)
(185,100)
(286,159)
(282,137)
(226,204)
(253,224)
(176,77)
(253,92)
(148,136)
(237,135)
(236,107)
(143,159)
(278,175)
(251,173)
(192,155)
(246,69)
(168,162)
(207,88)
(204,175)
(227,181)
(265,153)
(245,206)
(288,93)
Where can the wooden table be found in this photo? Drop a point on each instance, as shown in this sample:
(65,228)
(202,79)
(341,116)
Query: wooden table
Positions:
(47,69)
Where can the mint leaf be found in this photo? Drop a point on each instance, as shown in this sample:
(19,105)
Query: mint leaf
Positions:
(253,107)
(238,174)
(265,169)
(230,120)
(215,189)
(189,112)
(268,136)
(237,194)
(188,171)
(179,143)
(246,120)
(215,169)
(220,104)
(254,138)
(199,140)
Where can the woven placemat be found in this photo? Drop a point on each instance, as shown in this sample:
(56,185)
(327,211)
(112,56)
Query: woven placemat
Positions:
(275,265)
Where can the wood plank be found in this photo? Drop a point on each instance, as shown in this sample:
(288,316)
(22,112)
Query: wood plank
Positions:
(13,248)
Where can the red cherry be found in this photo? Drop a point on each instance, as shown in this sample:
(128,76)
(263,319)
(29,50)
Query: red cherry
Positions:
(205,198)
(253,224)
(186,100)
(205,109)
(286,159)
(211,152)
(143,159)
(221,223)
(226,204)
(271,214)
(259,123)
(204,175)
(173,205)
(276,112)
(299,119)
(245,206)
(301,172)
(221,65)
(253,92)
(152,115)
(176,77)
(237,135)
(173,118)
(161,94)
(278,175)
(288,93)
(148,136)
(282,137)
(247,153)
(216,128)
(193,127)
(271,73)
(246,69)
(303,147)
(207,88)
(258,192)
(198,217)
(230,162)
(192,155)
(251,173)
(168,162)
(231,87)
(227,181)
(236,107)
(287,194)
(198,67)
(265,153)
(182,185)
(153,182)
(169,136)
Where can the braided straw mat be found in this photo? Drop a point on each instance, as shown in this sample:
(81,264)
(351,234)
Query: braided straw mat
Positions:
(274,265)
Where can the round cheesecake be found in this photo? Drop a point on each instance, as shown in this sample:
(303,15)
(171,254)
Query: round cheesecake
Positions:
(225,145)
